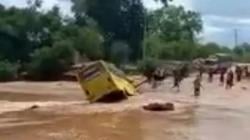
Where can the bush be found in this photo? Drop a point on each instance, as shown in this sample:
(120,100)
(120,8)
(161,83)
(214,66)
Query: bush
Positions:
(243,58)
(8,71)
(147,66)
(89,42)
(50,63)
(153,46)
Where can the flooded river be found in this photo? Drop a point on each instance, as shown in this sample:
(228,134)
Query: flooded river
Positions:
(218,114)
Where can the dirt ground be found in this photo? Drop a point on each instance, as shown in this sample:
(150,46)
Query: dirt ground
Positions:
(64,114)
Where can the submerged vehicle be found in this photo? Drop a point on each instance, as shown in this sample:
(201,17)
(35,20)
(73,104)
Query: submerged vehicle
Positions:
(102,81)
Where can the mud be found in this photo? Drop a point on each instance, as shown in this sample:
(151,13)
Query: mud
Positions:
(63,114)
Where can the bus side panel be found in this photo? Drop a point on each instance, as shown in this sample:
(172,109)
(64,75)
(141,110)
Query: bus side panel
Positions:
(98,86)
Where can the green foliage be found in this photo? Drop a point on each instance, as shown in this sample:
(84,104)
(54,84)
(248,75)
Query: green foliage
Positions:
(118,19)
(24,30)
(182,50)
(115,30)
(209,49)
(8,71)
(147,65)
(174,23)
(245,57)
(158,48)
(120,52)
(49,63)
(89,42)
(242,52)
(153,46)
(171,34)
(238,51)
(165,2)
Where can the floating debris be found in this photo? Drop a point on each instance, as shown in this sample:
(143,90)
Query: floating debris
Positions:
(33,107)
(159,107)
(244,88)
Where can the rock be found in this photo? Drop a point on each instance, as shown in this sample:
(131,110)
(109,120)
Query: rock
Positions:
(159,107)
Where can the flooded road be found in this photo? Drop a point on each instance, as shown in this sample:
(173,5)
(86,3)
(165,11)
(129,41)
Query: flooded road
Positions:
(218,114)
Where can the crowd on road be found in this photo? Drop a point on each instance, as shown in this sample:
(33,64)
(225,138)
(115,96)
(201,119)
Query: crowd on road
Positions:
(227,77)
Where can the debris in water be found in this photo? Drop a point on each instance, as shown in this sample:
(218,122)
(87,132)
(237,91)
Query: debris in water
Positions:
(159,107)
(33,107)
(244,88)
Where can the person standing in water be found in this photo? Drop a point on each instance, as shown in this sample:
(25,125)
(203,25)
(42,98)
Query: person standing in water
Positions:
(246,71)
(230,80)
(177,79)
(197,86)
(238,73)
(210,75)
(222,75)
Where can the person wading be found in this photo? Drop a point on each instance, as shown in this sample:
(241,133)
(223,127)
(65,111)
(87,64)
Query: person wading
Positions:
(246,71)
(158,76)
(210,75)
(238,73)
(222,75)
(197,86)
(177,79)
(230,80)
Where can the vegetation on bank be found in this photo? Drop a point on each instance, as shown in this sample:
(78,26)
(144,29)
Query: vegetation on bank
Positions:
(8,71)
(44,44)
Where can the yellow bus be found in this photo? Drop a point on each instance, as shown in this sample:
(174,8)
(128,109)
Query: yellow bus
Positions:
(102,81)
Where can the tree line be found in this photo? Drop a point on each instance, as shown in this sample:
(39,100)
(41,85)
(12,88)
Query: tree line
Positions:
(44,44)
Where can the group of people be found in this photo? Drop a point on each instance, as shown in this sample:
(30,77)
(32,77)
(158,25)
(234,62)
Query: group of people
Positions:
(227,76)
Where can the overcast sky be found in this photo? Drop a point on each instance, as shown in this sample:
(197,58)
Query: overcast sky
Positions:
(221,17)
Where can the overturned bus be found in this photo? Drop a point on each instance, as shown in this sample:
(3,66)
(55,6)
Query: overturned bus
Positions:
(102,81)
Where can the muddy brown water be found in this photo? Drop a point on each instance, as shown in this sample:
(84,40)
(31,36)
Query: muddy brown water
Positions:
(218,114)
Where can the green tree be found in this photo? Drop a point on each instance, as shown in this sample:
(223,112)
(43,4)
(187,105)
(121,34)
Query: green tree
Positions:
(182,50)
(8,71)
(245,47)
(210,48)
(89,42)
(153,47)
(49,63)
(165,2)
(24,30)
(238,51)
(174,23)
(242,52)
(118,19)
(120,52)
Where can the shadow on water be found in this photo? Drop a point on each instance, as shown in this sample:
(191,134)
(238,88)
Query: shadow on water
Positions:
(113,97)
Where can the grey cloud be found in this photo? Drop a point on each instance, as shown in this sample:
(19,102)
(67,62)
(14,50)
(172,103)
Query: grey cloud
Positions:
(227,22)
(227,8)
(227,37)
(221,17)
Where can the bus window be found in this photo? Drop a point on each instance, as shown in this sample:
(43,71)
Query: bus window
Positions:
(90,72)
